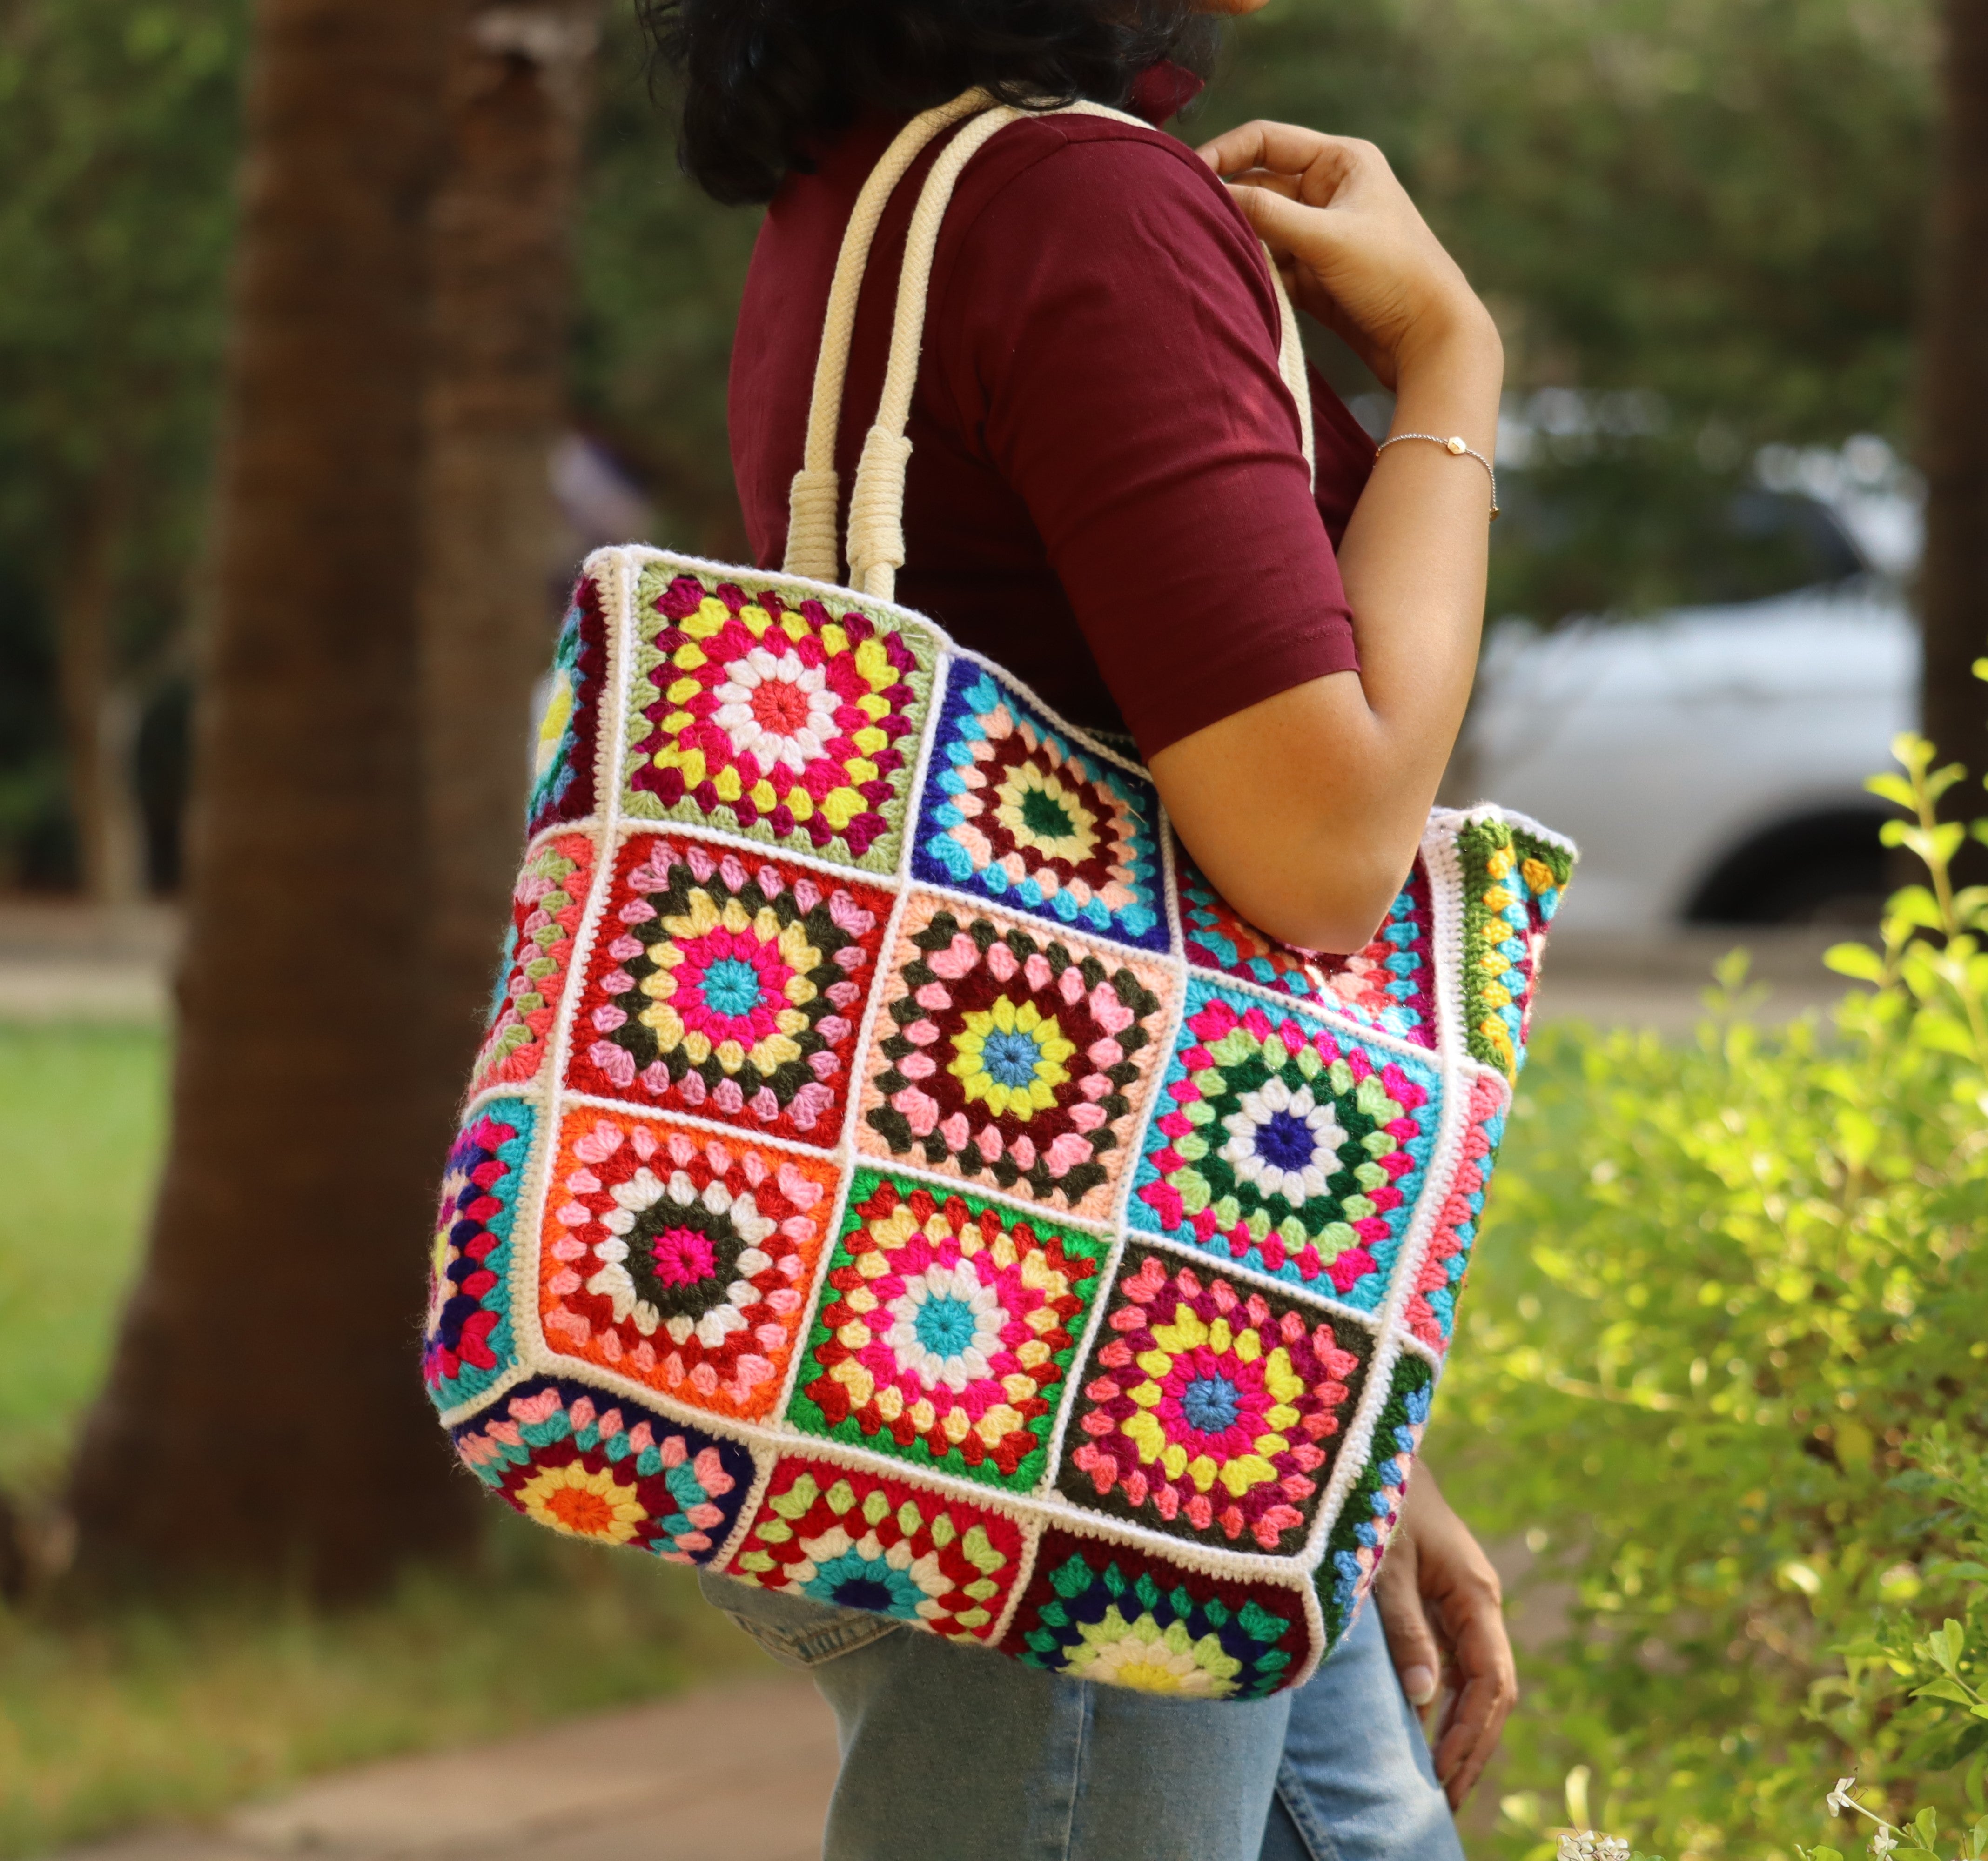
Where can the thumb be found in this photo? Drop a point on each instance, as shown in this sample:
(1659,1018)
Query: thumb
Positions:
(1411,1643)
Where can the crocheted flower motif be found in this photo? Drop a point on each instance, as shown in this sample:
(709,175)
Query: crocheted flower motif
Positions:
(547,907)
(1295,1151)
(1389,984)
(466,1343)
(730,985)
(788,724)
(863,1540)
(1430,1311)
(1367,1521)
(946,1331)
(681,1259)
(1013,808)
(1002,1053)
(562,783)
(1210,1413)
(1511,886)
(1127,1618)
(603,1468)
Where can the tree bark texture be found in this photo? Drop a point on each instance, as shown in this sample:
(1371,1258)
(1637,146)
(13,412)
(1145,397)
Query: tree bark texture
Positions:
(1953,414)
(496,402)
(263,1414)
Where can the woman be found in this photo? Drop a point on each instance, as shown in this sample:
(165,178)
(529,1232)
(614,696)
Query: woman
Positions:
(1107,495)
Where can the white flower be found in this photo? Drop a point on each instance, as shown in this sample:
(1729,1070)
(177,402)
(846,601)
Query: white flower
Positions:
(1285,1143)
(643,1191)
(1839,1801)
(1586,1844)
(779,709)
(946,1324)
(1883,1842)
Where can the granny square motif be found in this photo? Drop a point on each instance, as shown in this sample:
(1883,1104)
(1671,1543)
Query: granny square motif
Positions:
(894,1175)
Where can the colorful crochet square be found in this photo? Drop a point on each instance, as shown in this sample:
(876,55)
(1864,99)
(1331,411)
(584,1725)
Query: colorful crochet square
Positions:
(547,907)
(1389,984)
(1431,1313)
(466,1343)
(1127,1618)
(596,1466)
(1366,1522)
(1018,1056)
(788,724)
(1210,1411)
(731,985)
(562,781)
(1511,886)
(1296,1150)
(863,1540)
(679,1258)
(1012,809)
(947,1331)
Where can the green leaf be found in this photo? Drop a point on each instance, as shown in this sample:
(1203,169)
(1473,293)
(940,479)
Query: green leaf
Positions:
(1944,1690)
(1859,961)
(1943,1032)
(1893,789)
(1916,905)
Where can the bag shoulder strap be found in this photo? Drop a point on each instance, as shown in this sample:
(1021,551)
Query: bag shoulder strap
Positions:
(875,514)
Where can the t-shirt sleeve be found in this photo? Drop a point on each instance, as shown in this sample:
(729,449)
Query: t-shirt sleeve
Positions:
(1112,346)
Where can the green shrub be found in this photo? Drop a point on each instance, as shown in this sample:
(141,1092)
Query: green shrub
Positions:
(1727,1371)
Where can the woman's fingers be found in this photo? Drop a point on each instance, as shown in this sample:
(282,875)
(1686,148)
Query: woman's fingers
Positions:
(1412,1642)
(1487,1690)
(1284,148)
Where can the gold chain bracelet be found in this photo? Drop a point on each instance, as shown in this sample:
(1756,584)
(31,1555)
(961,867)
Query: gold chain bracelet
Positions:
(1456,445)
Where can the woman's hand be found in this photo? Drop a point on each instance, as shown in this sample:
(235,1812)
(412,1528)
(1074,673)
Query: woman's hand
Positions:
(1354,250)
(1440,1602)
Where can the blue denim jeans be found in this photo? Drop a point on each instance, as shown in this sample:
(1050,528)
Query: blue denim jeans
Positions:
(950,1754)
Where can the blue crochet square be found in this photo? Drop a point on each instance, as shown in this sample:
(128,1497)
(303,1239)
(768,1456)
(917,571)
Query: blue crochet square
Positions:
(1014,810)
(1297,1149)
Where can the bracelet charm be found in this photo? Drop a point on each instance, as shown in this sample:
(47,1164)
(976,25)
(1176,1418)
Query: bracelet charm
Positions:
(1457,447)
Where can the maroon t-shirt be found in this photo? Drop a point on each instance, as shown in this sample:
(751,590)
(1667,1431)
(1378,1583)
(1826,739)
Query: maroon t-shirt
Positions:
(1106,495)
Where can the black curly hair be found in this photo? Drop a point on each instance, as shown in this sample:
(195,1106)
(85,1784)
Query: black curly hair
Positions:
(763,82)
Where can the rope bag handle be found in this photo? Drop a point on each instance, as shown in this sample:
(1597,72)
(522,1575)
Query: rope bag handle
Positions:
(876,548)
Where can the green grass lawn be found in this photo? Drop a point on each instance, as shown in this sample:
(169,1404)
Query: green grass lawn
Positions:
(139,1714)
(82,1117)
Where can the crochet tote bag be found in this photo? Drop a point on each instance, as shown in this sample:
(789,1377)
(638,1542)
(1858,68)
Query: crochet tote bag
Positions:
(893,1175)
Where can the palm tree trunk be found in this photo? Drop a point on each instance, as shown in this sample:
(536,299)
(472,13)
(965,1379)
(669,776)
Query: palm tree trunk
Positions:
(263,1414)
(496,402)
(1953,583)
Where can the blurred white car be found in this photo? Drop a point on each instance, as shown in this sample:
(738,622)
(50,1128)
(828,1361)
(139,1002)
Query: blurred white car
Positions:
(1709,763)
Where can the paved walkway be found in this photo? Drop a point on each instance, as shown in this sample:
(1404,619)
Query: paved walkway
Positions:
(686,1779)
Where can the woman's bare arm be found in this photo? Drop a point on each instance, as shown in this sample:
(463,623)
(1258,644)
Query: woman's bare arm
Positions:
(1305,810)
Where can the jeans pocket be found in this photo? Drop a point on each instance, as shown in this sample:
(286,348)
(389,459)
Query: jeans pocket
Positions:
(797,1631)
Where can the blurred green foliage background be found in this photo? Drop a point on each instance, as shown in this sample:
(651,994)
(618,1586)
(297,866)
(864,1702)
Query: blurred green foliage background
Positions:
(1699,223)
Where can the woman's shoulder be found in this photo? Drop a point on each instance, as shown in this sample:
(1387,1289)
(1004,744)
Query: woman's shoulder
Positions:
(1064,203)
(1084,167)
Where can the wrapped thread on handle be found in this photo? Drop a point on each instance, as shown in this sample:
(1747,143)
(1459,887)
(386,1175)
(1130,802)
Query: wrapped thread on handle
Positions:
(815,497)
